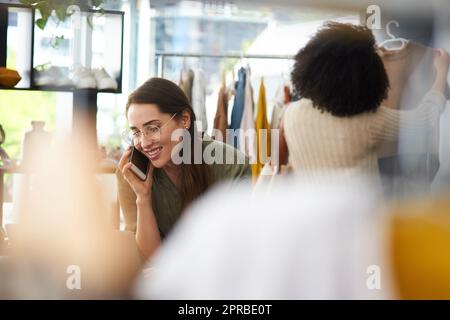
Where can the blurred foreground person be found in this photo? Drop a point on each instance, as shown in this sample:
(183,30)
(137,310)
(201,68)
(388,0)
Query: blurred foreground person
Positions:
(297,239)
(303,241)
(64,246)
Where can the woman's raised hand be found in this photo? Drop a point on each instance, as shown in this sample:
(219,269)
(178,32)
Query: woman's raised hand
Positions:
(142,189)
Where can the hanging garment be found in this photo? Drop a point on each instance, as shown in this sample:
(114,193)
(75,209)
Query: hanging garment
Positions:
(282,100)
(199,99)
(221,118)
(287,94)
(275,119)
(238,106)
(247,142)
(230,92)
(186,81)
(411,74)
(262,133)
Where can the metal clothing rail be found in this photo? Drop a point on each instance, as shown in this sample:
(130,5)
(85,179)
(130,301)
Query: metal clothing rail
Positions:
(162,55)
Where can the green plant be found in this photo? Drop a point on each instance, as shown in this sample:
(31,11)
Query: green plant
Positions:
(60,7)
(62,11)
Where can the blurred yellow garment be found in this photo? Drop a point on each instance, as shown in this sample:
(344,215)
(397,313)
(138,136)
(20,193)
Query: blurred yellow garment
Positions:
(262,133)
(420,253)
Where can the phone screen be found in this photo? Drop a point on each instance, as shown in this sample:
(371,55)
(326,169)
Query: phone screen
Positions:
(140,163)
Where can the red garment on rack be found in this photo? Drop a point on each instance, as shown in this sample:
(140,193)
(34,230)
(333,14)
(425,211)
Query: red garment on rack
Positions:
(287,95)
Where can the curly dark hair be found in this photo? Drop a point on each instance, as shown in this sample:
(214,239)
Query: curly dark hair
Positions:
(340,71)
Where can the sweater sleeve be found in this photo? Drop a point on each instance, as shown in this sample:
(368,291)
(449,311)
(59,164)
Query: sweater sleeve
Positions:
(388,122)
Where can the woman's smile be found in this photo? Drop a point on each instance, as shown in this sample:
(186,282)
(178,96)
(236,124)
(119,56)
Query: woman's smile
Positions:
(154,153)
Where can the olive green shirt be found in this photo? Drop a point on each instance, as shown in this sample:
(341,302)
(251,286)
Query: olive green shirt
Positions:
(229,165)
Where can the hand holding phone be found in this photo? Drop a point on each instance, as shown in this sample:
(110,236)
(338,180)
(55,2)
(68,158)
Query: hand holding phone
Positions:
(139,163)
(137,171)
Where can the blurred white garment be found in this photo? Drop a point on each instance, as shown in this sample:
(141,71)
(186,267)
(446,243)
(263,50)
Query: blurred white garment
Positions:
(199,99)
(279,105)
(304,241)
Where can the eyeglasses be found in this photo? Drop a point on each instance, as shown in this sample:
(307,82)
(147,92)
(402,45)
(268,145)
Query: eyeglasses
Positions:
(150,131)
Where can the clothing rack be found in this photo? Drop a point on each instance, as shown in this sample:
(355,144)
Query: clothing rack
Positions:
(162,55)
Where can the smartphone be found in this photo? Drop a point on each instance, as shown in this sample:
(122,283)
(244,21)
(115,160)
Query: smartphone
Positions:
(139,163)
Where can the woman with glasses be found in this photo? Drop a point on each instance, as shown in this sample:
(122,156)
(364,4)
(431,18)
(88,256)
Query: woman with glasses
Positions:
(155,111)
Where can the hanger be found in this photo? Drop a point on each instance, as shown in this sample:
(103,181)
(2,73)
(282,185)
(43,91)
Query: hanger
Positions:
(223,76)
(231,85)
(241,59)
(392,38)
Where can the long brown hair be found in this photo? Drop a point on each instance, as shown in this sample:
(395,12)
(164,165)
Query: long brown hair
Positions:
(194,178)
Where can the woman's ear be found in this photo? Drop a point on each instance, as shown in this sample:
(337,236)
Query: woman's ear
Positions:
(186,119)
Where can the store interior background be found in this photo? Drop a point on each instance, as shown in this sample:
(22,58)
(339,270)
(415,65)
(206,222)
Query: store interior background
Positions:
(278,28)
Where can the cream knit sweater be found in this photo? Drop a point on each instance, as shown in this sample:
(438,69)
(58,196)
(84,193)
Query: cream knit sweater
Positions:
(321,142)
